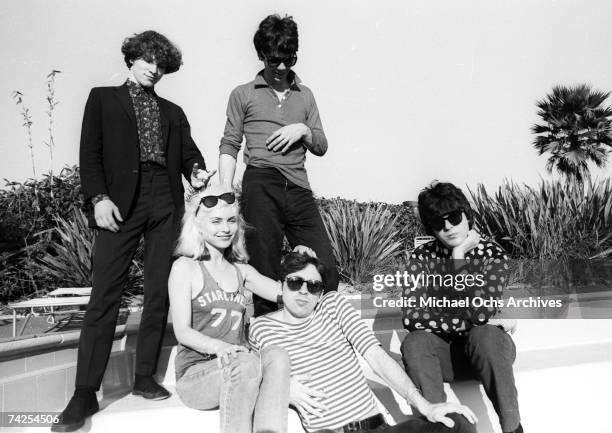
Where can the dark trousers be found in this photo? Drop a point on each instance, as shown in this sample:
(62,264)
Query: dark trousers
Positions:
(431,360)
(418,425)
(152,214)
(275,207)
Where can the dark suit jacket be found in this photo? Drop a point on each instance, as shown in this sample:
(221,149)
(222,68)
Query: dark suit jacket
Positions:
(110,150)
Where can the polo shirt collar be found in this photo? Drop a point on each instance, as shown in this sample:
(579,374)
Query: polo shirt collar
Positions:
(260,81)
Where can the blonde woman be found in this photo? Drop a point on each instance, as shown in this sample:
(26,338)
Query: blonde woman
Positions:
(207,287)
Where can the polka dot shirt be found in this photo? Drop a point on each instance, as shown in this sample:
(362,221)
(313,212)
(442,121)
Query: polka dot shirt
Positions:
(452,296)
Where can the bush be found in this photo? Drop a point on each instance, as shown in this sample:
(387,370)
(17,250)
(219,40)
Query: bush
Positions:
(553,221)
(554,231)
(68,259)
(29,209)
(405,220)
(44,239)
(364,238)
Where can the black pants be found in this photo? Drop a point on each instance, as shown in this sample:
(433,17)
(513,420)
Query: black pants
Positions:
(417,425)
(152,214)
(487,350)
(275,207)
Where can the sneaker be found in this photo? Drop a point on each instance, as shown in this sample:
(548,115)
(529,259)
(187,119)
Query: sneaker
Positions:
(81,405)
(146,387)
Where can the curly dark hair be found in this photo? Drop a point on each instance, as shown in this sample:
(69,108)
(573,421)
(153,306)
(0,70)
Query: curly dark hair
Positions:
(293,262)
(152,47)
(276,36)
(440,198)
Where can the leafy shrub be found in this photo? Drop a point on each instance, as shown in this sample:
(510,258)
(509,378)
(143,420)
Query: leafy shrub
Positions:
(68,258)
(553,221)
(32,206)
(364,238)
(406,222)
(44,239)
(554,231)
(28,209)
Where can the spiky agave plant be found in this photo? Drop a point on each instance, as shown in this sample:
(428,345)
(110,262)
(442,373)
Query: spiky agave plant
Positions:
(68,259)
(363,238)
(576,130)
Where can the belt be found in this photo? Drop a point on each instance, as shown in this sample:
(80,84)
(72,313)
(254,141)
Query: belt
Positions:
(148,165)
(372,422)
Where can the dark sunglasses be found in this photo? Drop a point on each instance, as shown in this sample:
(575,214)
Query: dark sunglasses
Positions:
(454,217)
(295,283)
(212,200)
(287,61)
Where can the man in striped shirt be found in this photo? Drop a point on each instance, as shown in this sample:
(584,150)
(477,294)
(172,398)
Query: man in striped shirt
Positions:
(328,388)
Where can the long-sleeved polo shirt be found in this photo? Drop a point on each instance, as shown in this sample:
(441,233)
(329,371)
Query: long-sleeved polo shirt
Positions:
(255,112)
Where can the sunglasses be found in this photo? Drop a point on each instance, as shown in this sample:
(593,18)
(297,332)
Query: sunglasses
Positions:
(295,283)
(454,217)
(212,200)
(287,61)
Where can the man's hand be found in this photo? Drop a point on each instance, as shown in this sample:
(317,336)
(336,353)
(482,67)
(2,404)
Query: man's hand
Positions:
(471,241)
(303,397)
(508,325)
(302,249)
(282,139)
(438,412)
(105,213)
(200,178)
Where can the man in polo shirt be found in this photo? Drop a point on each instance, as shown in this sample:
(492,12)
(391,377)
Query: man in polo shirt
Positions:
(322,334)
(279,118)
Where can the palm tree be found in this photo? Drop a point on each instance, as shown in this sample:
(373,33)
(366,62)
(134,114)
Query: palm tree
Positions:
(576,130)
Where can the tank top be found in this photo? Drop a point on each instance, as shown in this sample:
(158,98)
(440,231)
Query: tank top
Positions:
(216,314)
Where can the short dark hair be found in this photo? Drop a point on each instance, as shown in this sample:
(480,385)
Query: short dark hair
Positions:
(152,47)
(293,262)
(440,198)
(276,35)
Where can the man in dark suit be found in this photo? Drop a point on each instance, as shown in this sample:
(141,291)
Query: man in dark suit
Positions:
(134,148)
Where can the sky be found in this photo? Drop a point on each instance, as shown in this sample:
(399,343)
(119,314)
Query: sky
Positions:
(408,91)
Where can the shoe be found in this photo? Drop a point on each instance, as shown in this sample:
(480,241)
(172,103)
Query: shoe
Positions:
(146,387)
(519,429)
(81,405)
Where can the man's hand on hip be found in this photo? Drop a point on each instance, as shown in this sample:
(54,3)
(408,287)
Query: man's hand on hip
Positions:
(105,213)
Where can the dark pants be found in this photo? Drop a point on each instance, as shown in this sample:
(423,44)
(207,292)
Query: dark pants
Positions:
(152,214)
(417,425)
(275,207)
(431,360)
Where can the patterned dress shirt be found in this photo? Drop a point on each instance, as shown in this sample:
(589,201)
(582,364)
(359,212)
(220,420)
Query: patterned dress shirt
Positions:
(485,267)
(148,119)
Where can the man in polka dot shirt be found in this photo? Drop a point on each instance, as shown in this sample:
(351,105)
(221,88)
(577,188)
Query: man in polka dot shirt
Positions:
(451,321)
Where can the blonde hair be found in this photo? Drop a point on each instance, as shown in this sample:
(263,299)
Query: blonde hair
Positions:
(191,240)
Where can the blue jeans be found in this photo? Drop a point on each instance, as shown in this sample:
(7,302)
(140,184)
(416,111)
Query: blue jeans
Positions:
(252,392)
(487,350)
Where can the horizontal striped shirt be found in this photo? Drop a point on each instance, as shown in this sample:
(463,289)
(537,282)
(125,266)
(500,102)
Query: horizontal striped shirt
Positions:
(324,346)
